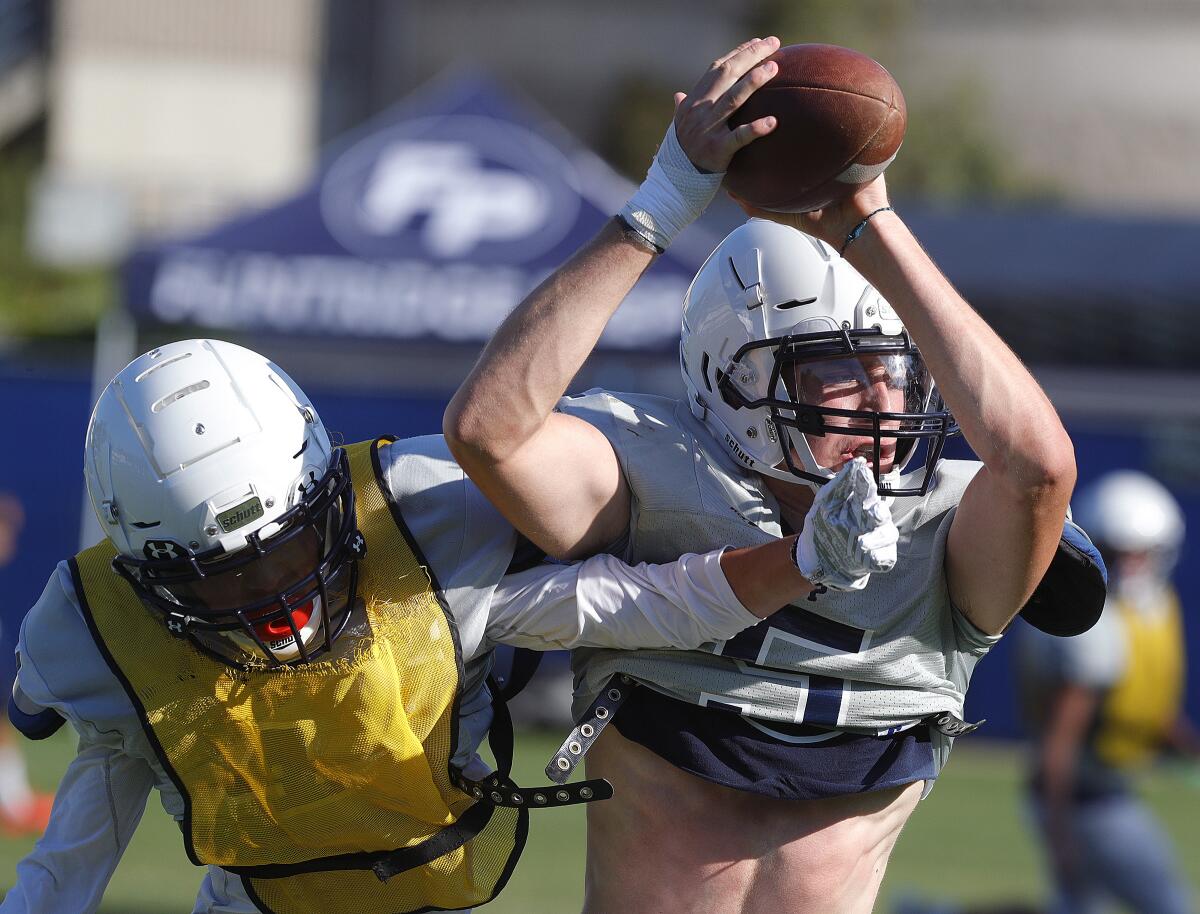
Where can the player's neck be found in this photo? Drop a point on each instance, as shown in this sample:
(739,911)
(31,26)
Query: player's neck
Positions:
(794,500)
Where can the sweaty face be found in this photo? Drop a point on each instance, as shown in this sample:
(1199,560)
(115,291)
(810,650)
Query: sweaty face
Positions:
(862,384)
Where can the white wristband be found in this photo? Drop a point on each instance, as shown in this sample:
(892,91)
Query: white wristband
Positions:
(672,197)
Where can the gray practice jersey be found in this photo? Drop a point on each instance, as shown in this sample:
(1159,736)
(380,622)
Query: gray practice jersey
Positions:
(869,661)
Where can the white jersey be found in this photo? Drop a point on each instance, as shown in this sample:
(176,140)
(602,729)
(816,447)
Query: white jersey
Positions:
(870,661)
(468,547)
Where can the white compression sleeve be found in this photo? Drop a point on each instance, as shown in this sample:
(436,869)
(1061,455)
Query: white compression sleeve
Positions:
(602,602)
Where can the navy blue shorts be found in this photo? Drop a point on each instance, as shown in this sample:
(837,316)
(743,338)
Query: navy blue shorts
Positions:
(723,747)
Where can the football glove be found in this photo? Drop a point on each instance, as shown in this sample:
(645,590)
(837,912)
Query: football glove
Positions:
(848,532)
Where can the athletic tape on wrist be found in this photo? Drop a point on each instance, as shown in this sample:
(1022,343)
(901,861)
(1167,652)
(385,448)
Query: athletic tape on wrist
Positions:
(673,195)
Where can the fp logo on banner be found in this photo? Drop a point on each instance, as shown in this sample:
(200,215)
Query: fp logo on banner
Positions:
(451,188)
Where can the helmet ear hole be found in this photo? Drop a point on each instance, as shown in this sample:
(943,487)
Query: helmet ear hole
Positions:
(730,395)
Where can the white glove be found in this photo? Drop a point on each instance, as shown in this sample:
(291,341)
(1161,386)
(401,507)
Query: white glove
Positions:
(674,195)
(848,532)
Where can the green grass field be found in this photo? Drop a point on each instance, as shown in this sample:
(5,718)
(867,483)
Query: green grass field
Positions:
(967,842)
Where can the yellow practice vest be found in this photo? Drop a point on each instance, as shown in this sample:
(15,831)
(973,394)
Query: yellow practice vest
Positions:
(1139,710)
(303,779)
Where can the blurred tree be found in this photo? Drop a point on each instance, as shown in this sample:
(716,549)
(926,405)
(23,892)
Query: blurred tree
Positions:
(874,27)
(950,152)
(36,301)
(638,111)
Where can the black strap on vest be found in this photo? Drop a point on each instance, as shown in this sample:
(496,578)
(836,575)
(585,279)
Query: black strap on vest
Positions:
(450,838)
(498,788)
(384,864)
(524,664)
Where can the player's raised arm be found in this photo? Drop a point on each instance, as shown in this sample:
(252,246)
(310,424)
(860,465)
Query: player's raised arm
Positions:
(554,477)
(1010,519)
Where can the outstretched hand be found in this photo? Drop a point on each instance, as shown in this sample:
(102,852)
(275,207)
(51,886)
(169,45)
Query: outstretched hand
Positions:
(701,115)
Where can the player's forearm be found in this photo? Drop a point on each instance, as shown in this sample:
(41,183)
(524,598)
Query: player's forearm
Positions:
(603,602)
(540,347)
(1003,412)
(764,578)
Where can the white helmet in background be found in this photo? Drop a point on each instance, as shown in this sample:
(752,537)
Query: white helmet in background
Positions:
(231,512)
(1128,513)
(774,316)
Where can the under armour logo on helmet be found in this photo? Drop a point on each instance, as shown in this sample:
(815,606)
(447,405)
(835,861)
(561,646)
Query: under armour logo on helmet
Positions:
(357,545)
(162,550)
(177,625)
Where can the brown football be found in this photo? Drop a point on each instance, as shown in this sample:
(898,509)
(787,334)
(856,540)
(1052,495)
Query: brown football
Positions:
(841,119)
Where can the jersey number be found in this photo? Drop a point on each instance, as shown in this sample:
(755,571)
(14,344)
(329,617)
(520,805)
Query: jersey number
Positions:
(799,627)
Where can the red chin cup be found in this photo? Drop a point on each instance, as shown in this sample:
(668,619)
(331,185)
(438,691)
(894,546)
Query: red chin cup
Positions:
(278,628)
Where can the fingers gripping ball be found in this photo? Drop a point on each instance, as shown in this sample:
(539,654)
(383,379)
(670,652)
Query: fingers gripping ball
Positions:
(841,119)
(848,532)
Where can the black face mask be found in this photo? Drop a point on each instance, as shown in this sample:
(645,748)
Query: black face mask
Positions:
(264,594)
(884,373)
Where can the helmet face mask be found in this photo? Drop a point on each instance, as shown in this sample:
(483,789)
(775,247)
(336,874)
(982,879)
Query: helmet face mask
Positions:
(835,395)
(796,363)
(282,598)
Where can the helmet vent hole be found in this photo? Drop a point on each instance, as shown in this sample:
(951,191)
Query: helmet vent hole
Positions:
(160,365)
(704,371)
(303,448)
(166,401)
(795,303)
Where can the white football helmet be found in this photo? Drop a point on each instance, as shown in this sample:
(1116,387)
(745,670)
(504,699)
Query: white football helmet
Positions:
(1130,513)
(797,364)
(231,512)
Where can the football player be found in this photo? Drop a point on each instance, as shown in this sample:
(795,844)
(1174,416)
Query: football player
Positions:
(1106,703)
(796,750)
(291,641)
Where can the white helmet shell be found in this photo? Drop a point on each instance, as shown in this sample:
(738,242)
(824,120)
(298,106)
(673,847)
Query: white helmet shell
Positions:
(197,444)
(767,281)
(1129,511)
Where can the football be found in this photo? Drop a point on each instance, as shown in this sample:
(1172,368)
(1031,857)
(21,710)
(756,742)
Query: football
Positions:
(841,119)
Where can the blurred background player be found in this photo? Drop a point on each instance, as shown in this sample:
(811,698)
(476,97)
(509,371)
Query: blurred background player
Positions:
(1107,702)
(22,809)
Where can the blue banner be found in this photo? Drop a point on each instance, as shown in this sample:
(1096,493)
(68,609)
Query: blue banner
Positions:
(431,222)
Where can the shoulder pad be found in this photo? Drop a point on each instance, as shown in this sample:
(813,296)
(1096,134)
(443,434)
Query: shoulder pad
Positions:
(1071,595)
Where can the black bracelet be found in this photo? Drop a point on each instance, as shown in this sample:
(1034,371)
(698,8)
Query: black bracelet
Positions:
(632,234)
(861,227)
